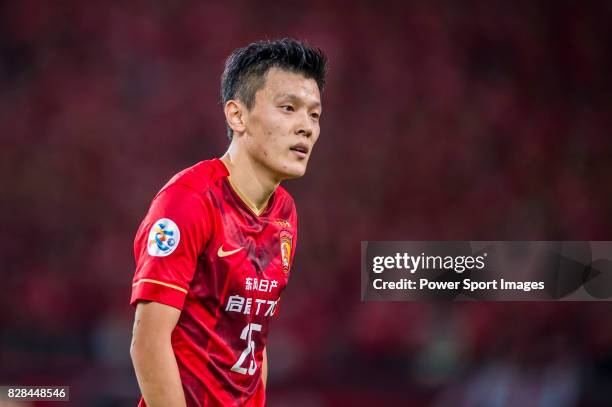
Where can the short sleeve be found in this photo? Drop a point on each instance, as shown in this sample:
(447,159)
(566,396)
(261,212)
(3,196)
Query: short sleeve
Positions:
(168,244)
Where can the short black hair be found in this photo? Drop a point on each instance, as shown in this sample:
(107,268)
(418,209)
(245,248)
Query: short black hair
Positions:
(246,68)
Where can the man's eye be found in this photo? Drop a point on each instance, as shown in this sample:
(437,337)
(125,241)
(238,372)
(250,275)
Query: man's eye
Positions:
(287,108)
(315,116)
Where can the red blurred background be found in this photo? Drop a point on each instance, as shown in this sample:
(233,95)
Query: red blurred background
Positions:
(473,120)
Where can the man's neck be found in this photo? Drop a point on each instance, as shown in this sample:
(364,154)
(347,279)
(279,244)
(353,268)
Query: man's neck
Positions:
(251,182)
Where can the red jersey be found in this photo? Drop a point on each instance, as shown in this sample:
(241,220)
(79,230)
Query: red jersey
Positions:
(201,249)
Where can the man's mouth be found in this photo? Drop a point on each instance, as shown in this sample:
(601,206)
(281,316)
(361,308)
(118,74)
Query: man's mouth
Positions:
(300,149)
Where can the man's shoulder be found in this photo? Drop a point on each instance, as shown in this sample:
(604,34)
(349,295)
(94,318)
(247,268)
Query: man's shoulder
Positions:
(199,177)
(284,196)
(284,204)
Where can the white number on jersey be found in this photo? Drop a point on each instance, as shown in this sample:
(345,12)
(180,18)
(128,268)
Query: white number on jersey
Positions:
(246,335)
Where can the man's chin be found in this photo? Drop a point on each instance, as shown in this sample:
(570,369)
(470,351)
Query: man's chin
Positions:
(294,171)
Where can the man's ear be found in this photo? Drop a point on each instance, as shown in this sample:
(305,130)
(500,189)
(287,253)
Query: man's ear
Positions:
(235,115)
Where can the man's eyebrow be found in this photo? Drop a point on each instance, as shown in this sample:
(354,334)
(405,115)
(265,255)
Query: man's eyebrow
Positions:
(292,96)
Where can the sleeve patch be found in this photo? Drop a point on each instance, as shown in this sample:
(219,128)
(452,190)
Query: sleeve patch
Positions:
(164,238)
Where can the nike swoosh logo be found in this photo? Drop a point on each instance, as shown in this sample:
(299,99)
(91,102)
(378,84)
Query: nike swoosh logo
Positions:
(223,253)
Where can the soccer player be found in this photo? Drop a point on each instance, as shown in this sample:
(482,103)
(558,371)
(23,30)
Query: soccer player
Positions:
(214,252)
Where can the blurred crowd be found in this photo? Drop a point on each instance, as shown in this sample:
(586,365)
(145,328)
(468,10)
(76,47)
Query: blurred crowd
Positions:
(473,120)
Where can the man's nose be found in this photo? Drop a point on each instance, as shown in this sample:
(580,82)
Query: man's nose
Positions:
(305,126)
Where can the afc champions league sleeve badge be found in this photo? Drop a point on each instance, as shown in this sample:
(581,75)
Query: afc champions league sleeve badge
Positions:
(285,248)
(164,238)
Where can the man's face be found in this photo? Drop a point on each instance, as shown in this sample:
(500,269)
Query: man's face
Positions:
(283,124)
